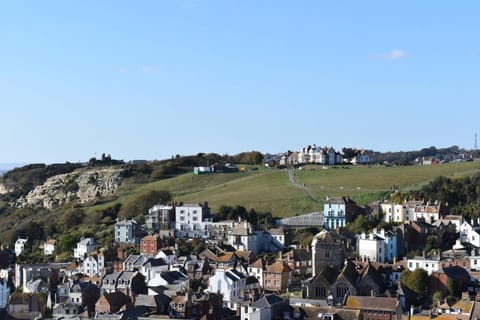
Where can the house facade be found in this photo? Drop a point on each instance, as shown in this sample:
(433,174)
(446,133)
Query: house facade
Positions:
(338,211)
(150,244)
(127,231)
(230,283)
(20,245)
(393,212)
(277,276)
(160,217)
(84,247)
(49,247)
(327,249)
(193,220)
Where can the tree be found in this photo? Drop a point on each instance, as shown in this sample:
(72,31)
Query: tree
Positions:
(141,203)
(416,281)
(454,287)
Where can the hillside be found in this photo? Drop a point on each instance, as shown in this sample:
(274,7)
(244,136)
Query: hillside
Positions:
(268,189)
(278,191)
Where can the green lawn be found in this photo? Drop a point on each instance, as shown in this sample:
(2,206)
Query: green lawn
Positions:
(269,190)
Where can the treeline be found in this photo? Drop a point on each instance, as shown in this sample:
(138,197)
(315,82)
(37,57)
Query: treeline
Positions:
(407,157)
(264,220)
(461,195)
(22,180)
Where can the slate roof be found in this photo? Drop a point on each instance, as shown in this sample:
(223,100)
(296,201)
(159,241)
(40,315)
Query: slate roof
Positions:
(266,301)
(234,275)
(328,273)
(151,301)
(350,273)
(172,276)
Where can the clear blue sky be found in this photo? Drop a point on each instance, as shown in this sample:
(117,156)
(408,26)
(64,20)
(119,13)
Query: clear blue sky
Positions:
(150,79)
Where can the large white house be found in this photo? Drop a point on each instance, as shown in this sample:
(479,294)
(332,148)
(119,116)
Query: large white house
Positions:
(470,233)
(428,264)
(193,220)
(378,246)
(393,212)
(84,247)
(230,283)
(92,266)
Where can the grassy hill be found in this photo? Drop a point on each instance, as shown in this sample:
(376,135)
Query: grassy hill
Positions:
(269,189)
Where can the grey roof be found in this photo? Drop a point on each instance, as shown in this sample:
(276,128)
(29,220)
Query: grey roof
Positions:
(173,276)
(306,220)
(151,301)
(267,301)
(234,275)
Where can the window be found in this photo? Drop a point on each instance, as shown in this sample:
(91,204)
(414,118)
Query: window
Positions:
(182,218)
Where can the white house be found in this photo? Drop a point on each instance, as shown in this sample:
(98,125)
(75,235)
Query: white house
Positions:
(92,266)
(256,269)
(470,233)
(49,247)
(267,307)
(126,231)
(371,247)
(428,264)
(230,283)
(84,247)
(20,246)
(474,263)
(245,237)
(174,280)
(429,212)
(167,255)
(378,246)
(393,212)
(193,220)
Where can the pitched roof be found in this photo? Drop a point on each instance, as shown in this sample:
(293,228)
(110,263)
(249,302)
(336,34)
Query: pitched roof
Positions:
(116,298)
(371,303)
(234,275)
(278,267)
(266,301)
(350,273)
(225,257)
(328,273)
(258,263)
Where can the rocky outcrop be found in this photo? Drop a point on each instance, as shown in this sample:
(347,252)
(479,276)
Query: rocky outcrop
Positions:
(3,189)
(82,186)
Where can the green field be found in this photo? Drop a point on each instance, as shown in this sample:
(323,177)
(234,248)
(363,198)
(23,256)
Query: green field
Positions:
(270,190)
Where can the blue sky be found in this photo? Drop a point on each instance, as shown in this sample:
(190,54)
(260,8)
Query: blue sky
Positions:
(150,79)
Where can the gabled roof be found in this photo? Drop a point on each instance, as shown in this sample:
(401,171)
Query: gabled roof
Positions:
(266,301)
(116,298)
(349,272)
(234,275)
(258,263)
(328,273)
(278,267)
(173,276)
(371,272)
